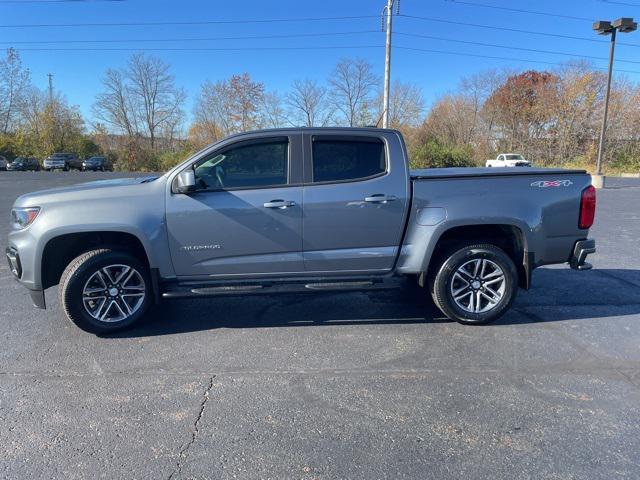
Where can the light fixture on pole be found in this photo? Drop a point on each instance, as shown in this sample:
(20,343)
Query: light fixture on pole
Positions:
(623,25)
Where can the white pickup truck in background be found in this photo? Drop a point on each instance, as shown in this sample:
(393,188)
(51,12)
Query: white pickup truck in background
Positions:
(508,160)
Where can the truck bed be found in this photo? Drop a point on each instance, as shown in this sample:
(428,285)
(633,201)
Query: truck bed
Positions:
(427,173)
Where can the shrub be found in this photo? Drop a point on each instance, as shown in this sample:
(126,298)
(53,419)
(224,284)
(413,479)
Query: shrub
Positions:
(434,154)
(168,160)
(624,163)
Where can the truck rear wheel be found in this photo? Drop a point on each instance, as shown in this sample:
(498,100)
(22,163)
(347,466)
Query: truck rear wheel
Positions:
(474,284)
(105,290)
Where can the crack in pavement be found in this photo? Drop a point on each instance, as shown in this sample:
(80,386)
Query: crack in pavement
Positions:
(579,346)
(616,277)
(593,365)
(194,433)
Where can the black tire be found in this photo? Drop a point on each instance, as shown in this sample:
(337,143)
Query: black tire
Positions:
(447,265)
(79,271)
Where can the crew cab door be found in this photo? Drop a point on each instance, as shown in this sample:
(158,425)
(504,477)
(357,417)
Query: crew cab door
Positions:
(245,218)
(355,202)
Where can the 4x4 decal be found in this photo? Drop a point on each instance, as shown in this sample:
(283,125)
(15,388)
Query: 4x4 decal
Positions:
(552,183)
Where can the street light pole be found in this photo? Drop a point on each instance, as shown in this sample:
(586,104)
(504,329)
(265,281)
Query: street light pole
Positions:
(606,104)
(624,25)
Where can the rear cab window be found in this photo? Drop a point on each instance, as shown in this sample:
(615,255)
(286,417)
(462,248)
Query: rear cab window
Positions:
(342,159)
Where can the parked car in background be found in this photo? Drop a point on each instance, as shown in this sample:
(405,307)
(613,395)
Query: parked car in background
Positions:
(74,161)
(299,210)
(508,160)
(3,163)
(58,161)
(23,164)
(97,163)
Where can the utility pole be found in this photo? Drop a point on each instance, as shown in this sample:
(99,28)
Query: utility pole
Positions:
(50,75)
(388,11)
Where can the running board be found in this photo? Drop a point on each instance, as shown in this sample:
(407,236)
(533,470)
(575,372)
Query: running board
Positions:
(267,288)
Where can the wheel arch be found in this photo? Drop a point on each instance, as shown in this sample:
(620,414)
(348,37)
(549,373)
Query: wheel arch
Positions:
(509,237)
(60,250)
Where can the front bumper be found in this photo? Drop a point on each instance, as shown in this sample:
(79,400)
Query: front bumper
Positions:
(14,262)
(54,166)
(13,258)
(581,249)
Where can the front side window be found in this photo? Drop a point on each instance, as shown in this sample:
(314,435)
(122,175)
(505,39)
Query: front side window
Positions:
(249,165)
(342,160)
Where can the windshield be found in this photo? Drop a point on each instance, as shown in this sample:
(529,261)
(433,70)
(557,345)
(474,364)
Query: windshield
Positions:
(514,157)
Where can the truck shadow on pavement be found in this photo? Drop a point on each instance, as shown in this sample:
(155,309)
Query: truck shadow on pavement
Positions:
(558,294)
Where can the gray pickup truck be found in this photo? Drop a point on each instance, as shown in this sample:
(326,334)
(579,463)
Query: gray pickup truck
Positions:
(299,210)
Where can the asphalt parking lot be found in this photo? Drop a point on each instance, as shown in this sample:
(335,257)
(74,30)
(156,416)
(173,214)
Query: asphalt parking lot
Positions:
(354,385)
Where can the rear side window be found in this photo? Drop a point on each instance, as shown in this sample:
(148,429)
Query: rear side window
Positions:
(336,160)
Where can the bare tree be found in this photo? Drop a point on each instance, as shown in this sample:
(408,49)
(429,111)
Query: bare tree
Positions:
(154,94)
(213,111)
(406,105)
(352,86)
(115,106)
(272,111)
(141,100)
(14,82)
(307,103)
(233,105)
(31,107)
(246,98)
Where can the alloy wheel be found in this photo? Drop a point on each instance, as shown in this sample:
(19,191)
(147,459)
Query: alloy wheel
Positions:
(114,293)
(478,285)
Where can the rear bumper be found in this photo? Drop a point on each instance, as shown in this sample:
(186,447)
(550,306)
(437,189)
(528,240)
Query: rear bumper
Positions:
(581,249)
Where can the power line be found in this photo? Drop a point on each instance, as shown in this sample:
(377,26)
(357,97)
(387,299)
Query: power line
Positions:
(512,59)
(59,1)
(626,4)
(524,49)
(304,35)
(195,22)
(194,39)
(519,10)
(341,47)
(188,49)
(514,30)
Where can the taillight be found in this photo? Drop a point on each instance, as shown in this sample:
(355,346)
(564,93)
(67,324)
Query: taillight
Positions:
(587,207)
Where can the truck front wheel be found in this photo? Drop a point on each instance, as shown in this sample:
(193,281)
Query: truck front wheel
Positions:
(105,290)
(474,284)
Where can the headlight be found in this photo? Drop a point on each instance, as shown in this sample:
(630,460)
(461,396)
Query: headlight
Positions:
(23,217)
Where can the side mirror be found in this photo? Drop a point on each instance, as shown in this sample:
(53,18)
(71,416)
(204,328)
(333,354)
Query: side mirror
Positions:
(186,182)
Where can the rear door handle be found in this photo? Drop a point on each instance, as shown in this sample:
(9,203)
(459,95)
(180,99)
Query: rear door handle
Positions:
(279,204)
(380,198)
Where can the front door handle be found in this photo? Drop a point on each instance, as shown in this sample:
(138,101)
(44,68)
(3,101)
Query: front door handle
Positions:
(279,204)
(380,198)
